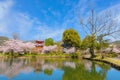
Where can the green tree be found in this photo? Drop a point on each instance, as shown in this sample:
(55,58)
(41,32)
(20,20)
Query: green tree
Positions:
(71,38)
(85,43)
(97,25)
(90,42)
(49,41)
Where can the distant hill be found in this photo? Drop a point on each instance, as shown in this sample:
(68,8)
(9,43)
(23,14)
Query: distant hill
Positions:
(116,43)
(2,39)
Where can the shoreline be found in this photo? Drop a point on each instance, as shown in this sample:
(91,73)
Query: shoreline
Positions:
(41,55)
(109,61)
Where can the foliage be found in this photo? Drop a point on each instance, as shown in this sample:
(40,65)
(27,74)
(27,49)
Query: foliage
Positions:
(75,55)
(97,45)
(87,42)
(71,38)
(49,41)
(90,42)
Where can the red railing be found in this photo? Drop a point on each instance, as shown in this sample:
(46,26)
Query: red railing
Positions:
(39,42)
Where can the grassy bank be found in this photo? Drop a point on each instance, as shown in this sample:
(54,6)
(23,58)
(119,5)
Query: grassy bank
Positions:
(112,61)
(47,55)
(53,55)
(3,55)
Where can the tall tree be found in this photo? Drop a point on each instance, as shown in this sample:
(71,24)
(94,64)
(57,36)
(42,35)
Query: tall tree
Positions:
(87,41)
(71,38)
(96,25)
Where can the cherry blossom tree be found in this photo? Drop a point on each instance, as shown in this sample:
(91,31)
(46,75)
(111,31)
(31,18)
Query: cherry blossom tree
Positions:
(70,50)
(16,46)
(49,48)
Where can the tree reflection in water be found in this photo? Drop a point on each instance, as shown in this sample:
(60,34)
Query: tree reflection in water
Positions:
(85,71)
(53,68)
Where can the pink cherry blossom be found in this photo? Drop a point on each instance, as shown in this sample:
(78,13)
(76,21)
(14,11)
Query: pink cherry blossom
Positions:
(16,46)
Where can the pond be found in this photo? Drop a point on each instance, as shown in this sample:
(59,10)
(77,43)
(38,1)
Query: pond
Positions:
(55,69)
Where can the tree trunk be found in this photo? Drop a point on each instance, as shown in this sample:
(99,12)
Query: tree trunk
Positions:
(92,49)
(92,52)
(101,52)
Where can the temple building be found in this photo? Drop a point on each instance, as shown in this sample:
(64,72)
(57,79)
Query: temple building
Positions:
(39,44)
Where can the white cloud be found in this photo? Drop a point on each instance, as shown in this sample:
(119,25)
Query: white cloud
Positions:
(115,14)
(5,6)
(115,9)
(2,28)
(82,8)
(46,32)
(26,26)
(54,13)
(117,18)
(31,28)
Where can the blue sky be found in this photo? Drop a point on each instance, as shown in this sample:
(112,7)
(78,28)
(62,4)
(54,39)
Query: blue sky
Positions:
(40,19)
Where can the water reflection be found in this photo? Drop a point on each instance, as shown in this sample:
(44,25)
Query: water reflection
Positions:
(55,69)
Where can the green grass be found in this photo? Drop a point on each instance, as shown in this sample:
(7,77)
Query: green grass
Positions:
(108,59)
(55,55)
(46,55)
(3,55)
(111,60)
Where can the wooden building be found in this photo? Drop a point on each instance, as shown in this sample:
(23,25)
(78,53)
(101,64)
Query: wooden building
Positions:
(38,46)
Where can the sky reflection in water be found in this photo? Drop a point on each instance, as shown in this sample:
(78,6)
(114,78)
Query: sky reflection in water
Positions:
(55,69)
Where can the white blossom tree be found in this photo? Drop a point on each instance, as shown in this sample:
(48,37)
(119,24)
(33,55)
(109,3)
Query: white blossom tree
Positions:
(49,48)
(16,46)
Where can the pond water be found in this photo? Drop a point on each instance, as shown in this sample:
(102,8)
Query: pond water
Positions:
(55,69)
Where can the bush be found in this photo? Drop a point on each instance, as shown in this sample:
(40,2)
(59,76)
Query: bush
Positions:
(74,55)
